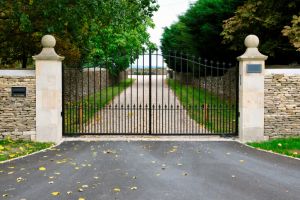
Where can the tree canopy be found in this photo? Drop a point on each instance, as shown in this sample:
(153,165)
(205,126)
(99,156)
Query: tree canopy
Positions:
(266,19)
(216,29)
(87,31)
(198,31)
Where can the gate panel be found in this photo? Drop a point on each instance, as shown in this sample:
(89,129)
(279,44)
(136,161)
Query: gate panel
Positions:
(155,94)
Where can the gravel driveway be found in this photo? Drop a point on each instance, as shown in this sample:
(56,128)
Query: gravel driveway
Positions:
(129,112)
(151,171)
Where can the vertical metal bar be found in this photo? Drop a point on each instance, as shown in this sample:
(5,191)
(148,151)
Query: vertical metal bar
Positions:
(193,101)
(181,98)
(106,95)
(144,130)
(199,97)
(187,95)
(156,91)
(100,103)
(205,96)
(150,92)
(137,91)
(162,94)
(227,110)
(169,120)
(218,111)
(211,111)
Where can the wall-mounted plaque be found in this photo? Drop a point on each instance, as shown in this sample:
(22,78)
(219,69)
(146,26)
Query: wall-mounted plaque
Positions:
(18,91)
(254,68)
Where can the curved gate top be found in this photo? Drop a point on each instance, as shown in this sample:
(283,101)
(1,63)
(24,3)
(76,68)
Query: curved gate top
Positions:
(156,94)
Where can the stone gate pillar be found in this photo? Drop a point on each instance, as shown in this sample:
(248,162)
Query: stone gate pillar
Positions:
(48,92)
(251,91)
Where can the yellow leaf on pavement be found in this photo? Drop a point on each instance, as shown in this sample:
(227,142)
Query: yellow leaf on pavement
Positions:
(55,193)
(42,169)
(117,190)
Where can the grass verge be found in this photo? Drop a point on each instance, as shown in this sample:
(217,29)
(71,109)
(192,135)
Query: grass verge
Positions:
(217,115)
(286,146)
(10,149)
(74,115)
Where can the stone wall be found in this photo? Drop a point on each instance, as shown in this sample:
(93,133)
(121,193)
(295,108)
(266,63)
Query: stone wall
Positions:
(282,105)
(87,82)
(222,86)
(17,114)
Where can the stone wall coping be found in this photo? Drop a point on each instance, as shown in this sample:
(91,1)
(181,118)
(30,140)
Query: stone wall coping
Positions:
(17,73)
(283,71)
(93,69)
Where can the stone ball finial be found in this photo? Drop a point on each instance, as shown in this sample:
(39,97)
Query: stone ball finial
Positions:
(251,41)
(48,41)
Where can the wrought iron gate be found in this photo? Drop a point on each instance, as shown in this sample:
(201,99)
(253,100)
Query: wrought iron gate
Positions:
(150,93)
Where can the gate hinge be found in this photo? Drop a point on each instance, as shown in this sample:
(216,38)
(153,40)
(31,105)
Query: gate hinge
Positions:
(239,114)
(62,113)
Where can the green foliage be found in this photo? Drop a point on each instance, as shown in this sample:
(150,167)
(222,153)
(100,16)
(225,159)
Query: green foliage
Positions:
(293,32)
(198,31)
(287,146)
(10,149)
(267,20)
(87,30)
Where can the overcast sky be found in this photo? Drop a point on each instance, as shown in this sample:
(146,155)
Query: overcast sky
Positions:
(166,15)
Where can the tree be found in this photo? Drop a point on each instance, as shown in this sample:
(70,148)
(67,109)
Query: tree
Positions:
(267,20)
(77,25)
(293,32)
(198,31)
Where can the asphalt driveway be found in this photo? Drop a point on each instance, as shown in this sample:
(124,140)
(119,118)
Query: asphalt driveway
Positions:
(151,171)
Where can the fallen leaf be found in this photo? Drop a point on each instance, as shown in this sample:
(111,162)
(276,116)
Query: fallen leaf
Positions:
(19,179)
(133,188)
(117,189)
(55,193)
(85,186)
(80,198)
(80,190)
(42,169)
(69,192)
(241,161)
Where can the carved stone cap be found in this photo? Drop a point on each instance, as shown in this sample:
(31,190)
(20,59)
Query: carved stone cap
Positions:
(252,52)
(48,51)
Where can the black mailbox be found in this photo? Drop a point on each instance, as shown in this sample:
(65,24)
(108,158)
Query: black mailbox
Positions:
(18,91)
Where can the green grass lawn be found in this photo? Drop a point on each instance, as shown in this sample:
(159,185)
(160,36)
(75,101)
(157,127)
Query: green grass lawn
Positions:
(91,105)
(286,146)
(10,149)
(221,114)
